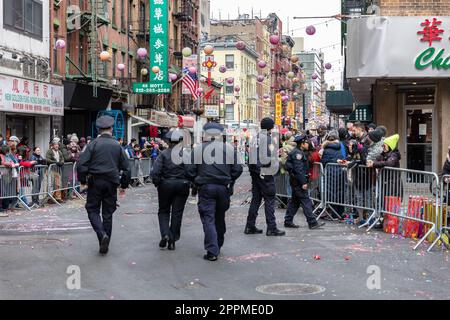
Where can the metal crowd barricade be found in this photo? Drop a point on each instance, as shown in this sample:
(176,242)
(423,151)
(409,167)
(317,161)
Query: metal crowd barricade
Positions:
(34,184)
(136,172)
(9,185)
(316,185)
(349,187)
(406,197)
(61,179)
(283,190)
(76,183)
(145,167)
(442,218)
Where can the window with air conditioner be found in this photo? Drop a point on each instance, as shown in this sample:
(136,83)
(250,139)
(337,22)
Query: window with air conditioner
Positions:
(24,16)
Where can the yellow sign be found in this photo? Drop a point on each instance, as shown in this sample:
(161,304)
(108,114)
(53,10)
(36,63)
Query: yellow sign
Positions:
(291,109)
(318,111)
(278,108)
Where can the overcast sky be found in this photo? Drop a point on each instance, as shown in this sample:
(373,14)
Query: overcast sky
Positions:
(326,39)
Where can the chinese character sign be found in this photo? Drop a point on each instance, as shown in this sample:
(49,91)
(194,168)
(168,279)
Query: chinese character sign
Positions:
(291,109)
(278,107)
(159,48)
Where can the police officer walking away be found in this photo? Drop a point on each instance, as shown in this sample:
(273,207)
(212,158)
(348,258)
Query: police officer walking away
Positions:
(100,165)
(173,189)
(214,170)
(263,184)
(298,168)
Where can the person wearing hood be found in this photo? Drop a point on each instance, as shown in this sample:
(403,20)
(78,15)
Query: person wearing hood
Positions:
(375,142)
(331,149)
(393,185)
(288,146)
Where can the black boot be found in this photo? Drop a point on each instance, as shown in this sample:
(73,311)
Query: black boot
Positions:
(210,257)
(275,233)
(171,245)
(316,225)
(291,225)
(163,242)
(104,244)
(252,230)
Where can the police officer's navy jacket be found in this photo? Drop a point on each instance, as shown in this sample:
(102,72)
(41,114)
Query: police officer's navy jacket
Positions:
(214,162)
(165,168)
(105,159)
(297,166)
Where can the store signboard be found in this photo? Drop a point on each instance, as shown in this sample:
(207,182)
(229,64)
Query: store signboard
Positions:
(164,119)
(211,111)
(388,47)
(28,96)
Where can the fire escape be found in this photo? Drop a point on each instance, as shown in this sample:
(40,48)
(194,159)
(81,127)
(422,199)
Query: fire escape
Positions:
(185,14)
(92,16)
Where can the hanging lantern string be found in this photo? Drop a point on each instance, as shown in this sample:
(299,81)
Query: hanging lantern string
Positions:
(315,25)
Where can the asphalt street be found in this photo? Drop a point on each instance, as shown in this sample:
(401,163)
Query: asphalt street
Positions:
(36,250)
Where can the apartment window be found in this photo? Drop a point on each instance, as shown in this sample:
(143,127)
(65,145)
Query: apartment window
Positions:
(229,89)
(81,51)
(114,63)
(55,55)
(122,15)
(229,112)
(142,17)
(229,61)
(130,12)
(113,12)
(24,15)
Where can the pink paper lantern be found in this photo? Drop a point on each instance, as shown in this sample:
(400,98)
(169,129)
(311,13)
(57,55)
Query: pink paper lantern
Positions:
(266,96)
(314,76)
(222,69)
(260,78)
(192,70)
(237,88)
(120,67)
(60,44)
(262,64)
(230,80)
(240,45)
(142,53)
(328,66)
(285,99)
(274,39)
(173,77)
(310,30)
(222,100)
(283,93)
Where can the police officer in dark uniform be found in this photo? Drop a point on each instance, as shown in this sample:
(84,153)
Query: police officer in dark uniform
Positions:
(169,176)
(263,182)
(298,167)
(100,165)
(214,169)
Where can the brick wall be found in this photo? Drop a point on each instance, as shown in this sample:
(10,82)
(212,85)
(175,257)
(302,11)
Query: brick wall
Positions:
(414,7)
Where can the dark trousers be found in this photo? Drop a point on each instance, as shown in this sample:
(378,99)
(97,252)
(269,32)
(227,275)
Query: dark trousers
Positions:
(299,198)
(213,202)
(172,197)
(262,189)
(101,194)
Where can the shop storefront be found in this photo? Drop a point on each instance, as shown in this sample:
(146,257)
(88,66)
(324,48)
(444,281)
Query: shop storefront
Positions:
(401,66)
(27,108)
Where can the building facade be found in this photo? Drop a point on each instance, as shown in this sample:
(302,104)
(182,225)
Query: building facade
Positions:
(238,106)
(29,101)
(400,68)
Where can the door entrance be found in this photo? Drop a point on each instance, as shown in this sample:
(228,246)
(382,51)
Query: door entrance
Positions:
(419,147)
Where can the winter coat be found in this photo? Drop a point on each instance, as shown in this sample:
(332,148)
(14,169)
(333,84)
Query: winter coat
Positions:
(287,148)
(39,159)
(374,151)
(392,184)
(331,153)
(50,157)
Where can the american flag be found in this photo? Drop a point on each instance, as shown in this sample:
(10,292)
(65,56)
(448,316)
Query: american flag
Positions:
(191,82)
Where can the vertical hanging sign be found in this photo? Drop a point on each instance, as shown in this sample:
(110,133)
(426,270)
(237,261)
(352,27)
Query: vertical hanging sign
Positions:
(159,50)
(278,107)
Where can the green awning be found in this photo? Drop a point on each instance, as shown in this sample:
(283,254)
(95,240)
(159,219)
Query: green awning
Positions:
(56,22)
(114,46)
(340,102)
(131,53)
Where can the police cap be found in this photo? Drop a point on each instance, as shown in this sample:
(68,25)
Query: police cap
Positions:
(300,138)
(105,122)
(175,135)
(213,128)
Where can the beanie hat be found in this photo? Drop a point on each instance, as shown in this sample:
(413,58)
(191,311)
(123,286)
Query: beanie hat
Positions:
(267,124)
(383,129)
(392,141)
(376,135)
(333,135)
(343,134)
(372,126)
